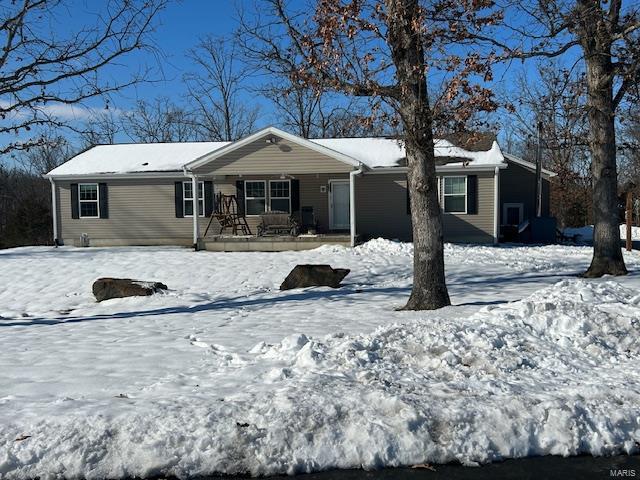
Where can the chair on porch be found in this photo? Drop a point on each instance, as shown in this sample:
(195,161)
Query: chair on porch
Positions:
(226,213)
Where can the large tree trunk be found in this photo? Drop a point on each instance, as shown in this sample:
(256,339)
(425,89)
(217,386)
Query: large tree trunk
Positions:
(429,287)
(595,38)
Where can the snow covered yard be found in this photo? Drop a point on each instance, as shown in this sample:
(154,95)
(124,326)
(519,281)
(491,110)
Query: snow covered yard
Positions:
(224,373)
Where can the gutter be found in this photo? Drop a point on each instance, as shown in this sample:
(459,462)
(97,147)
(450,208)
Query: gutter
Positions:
(117,176)
(469,169)
(194,189)
(352,203)
(54,211)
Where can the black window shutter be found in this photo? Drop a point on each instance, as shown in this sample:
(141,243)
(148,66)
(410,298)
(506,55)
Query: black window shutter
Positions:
(178,200)
(472,194)
(408,200)
(75,208)
(240,196)
(295,195)
(103,196)
(208,198)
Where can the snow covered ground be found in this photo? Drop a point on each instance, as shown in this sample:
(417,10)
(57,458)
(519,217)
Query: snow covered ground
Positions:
(225,373)
(586,233)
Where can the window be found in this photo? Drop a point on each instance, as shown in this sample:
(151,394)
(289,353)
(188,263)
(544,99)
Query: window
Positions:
(88,199)
(187,198)
(255,197)
(280,195)
(512,214)
(455,194)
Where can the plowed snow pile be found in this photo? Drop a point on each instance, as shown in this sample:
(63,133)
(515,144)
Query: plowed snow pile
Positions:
(554,373)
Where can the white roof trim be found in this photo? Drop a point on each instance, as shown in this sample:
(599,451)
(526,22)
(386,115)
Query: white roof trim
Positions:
(208,157)
(523,163)
(439,169)
(117,176)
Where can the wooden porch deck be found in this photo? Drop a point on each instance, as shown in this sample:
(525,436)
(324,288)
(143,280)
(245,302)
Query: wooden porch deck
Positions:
(271,243)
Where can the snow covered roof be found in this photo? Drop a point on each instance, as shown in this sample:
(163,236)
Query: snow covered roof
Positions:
(135,158)
(373,153)
(389,152)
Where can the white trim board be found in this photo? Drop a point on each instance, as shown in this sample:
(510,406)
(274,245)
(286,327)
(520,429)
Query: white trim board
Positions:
(528,165)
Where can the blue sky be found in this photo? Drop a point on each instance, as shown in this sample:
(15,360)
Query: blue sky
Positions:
(179,28)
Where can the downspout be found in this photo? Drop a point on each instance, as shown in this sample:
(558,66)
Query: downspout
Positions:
(54,211)
(496,205)
(194,189)
(352,204)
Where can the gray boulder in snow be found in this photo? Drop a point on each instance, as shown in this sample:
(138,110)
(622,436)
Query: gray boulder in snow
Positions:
(314,276)
(106,288)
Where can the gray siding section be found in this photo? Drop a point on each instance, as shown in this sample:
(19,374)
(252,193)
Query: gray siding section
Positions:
(518,185)
(141,212)
(310,194)
(282,157)
(381,202)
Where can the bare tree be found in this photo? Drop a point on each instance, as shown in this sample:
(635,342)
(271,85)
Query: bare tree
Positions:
(607,36)
(101,129)
(556,97)
(309,111)
(388,51)
(25,196)
(42,70)
(159,121)
(52,150)
(320,114)
(215,91)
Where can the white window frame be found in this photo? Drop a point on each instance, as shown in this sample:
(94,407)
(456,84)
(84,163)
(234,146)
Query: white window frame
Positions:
(280,198)
(96,201)
(445,194)
(507,206)
(190,199)
(266,197)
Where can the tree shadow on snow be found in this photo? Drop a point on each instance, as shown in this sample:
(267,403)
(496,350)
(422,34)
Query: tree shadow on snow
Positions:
(486,286)
(218,304)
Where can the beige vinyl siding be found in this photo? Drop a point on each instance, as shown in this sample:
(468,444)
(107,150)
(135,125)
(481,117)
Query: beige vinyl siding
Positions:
(460,227)
(262,158)
(381,209)
(310,194)
(141,212)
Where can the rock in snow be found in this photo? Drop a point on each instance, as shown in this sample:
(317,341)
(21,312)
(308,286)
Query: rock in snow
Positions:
(314,276)
(107,288)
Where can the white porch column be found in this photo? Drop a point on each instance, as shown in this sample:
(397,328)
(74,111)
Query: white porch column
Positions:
(352,205)
(196,228)
(496,205)
(54,211)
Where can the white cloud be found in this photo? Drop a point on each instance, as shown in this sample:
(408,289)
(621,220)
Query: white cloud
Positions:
(63,111)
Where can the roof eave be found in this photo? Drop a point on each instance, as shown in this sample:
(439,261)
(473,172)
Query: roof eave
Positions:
(116,175)
(442,168)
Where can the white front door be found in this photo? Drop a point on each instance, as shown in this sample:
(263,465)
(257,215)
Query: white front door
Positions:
(339,204)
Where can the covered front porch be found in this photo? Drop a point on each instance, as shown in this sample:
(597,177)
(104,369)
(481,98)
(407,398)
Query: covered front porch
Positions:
(272,172)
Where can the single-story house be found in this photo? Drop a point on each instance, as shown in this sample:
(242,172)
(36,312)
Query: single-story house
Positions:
(355,188)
